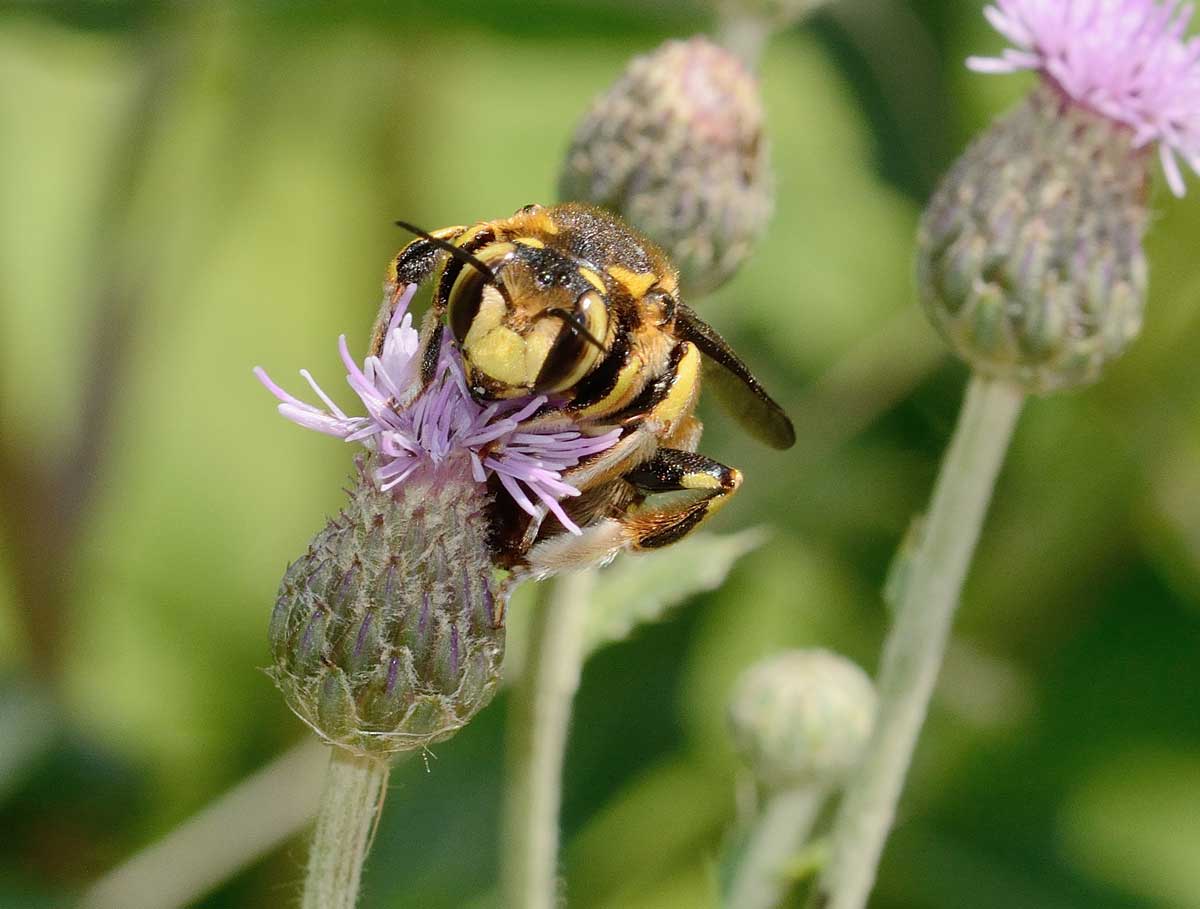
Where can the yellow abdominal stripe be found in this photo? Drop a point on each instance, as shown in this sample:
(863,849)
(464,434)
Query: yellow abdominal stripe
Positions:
(620,391)
(680,398)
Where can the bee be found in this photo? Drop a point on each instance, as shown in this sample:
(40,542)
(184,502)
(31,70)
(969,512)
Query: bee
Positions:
(570,302)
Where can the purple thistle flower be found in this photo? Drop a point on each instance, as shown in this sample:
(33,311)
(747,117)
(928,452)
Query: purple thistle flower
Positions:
(1128,60)
(413,430)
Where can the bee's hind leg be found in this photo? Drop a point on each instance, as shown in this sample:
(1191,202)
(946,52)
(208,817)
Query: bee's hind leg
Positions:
(703,486)
(674,471)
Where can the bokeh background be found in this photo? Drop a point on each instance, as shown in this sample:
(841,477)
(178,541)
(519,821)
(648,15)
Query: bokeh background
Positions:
(187,190)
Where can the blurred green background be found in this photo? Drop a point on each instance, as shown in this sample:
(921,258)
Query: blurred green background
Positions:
(187,190)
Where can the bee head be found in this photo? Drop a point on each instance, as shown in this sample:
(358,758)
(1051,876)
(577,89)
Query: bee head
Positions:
(529,321)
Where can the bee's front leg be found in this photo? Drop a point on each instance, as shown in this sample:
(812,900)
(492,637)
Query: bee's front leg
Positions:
(412,265)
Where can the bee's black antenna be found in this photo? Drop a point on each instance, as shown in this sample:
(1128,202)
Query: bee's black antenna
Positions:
(579,327)
(445,245)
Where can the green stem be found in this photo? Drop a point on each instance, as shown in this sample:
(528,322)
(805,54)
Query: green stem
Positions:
(746,37)
(758,878)
(912,655)
(354,789)
(540,714)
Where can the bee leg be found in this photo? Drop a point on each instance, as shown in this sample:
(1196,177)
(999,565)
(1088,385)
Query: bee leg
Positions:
(672,470)
(597,545)
(633,448)
(686,436)
(417,261)
(603,539)
(669,470)
(412,265)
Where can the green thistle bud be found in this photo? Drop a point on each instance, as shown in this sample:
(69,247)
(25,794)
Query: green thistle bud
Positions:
(801,718)
(389,632)
(676,147)
(1031,263)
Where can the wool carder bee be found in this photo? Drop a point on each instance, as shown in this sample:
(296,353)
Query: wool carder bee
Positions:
(569,302)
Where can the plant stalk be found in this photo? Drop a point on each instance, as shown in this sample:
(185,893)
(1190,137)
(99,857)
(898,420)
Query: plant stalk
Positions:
(745,37)
(914,649)
(354,790)
(758,878)
(537,738)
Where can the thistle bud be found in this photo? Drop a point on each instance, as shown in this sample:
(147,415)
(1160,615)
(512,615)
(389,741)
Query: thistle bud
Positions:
(801,718)
(676,147)
(1031,263)
(388,633)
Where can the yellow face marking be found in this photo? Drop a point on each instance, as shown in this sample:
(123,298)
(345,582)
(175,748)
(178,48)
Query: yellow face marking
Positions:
(682,397)
(537,347)
(500,354)
(490,317)
(592,278)
(533,242)
(637,284)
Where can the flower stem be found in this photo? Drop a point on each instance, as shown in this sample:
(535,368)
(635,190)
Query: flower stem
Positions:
(913,652)
(541,711)
(758,877)
(746,37)
(354,789)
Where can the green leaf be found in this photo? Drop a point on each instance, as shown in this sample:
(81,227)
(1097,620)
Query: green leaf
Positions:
(639,589)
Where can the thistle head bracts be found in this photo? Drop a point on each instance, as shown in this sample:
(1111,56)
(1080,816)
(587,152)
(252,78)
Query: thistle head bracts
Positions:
(388,633)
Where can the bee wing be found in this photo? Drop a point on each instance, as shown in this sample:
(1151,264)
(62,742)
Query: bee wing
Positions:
(735,386)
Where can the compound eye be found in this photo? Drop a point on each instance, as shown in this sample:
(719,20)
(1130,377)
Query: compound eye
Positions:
(592,311)
(465,299)
(579,345)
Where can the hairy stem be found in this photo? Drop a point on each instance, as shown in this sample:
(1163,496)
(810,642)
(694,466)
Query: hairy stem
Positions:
(537,738)
(913,652)
(354,789)
(758,877)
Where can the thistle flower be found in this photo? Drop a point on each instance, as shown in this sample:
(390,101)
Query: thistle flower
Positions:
(676,147)
(1031,262)
(389,632)
(410,431)
(1126,60)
